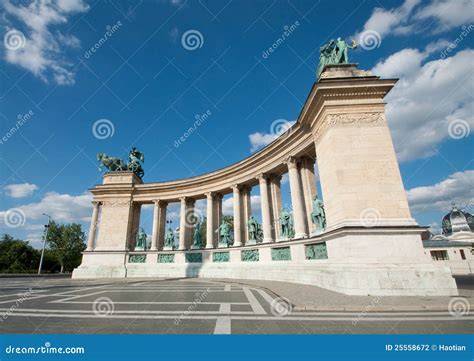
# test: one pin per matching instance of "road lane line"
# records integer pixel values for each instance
(222, 326)
(256, 306)
(224, 308)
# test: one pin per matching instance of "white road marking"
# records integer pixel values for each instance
(227, 288)
(251, 318)
(77, 296)
(224, 308)
(222, 326)
(266, 296)
(153, 303)
(256, 306)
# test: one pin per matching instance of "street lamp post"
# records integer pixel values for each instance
(44, 241)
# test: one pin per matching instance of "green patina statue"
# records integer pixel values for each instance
(140, 244)
(225, 233)
(253, 227)
(334, 52)
(169, 239)
(113, 164)
(287, 230)
(318, 215)
(197, 236)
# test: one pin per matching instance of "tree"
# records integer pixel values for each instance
(66, 242)
(17, 256)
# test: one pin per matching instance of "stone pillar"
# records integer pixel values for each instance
(134, 225)
(308, 182)
(299, 217)
(265, 204)
(217, 216)
(246, 211)
(190, 219)
(182, 224)
(358, 169)
(210, 220)
(237, 216)
(275, 194)
(162, 225)
(156, 226)
(93, 227)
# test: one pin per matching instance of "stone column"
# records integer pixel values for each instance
(246, 211)
(182, 224)
(275, 193)
(162, 225)
(265, 204)
(156, 225)
(134, 225)
(190, 219)
(93, 227)
(217, 216)
(237, 216)
(299, 217)
(308, 182)
(210, 220)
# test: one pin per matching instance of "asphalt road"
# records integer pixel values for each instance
(177, 306)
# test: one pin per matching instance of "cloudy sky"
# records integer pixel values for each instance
(81, 77)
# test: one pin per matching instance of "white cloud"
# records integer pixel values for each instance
(416, 16)
(20, 190)
(228, 205)
(458, 187)
(391, 21)
(43, 52)
(402, 63)
(448, 13)
(61, 207)
(259, 140)
(427, 99)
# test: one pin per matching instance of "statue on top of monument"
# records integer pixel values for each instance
(334, 52)
(318, 215)
(135, 157)
(114, 164)
(140, 244)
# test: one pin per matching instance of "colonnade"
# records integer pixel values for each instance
(302, 188)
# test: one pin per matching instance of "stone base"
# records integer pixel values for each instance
(360, 261)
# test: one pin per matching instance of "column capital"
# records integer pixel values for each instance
(291, 161)
(236, 187)
(261, 176)
(96, 203)
(183, 199)
(159, 202)
(218, 196)
(276, 177)
(209, 195)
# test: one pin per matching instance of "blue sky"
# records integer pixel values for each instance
(148, 86)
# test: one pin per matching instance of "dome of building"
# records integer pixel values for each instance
(457, 221)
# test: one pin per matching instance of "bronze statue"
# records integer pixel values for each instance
(140, 244)
(333, 53)
(114, 164)
(318, 215)
(286, 224)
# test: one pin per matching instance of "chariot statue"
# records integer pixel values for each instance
(114, 164)
(334, 52)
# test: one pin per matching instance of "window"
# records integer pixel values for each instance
(463, 256)
(439, 255)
